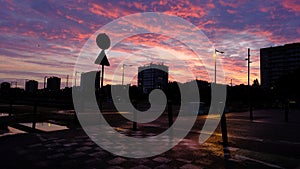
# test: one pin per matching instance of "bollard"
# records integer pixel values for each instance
(34, 114)
(251, 111)
(100, 101)
(250, 105)
(170, 113)
(134, 124)
(224, 136)
(170, 119)
(286, 111)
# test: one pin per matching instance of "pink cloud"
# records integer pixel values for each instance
(187, 9)
(56, 36)
(138, 5)
(291, 5)
(231, 11)
(230, 4)
(108, 10)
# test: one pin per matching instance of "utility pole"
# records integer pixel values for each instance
(249, 87)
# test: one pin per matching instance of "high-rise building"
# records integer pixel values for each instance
(90, 77)
(278, 61)
(53, 83)
(31, 86)
(152, 76)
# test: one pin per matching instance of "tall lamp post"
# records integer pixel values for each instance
(215, 59)
(223, 117)
(123, 72)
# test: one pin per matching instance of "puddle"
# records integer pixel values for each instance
(3, 114)
(46, 126)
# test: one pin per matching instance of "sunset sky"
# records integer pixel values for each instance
(44, 38)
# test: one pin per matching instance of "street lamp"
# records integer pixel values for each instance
(223, 116)
(123, 72)
(215, 59)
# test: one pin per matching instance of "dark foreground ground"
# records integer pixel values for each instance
(267, 142)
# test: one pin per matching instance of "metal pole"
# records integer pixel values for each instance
(223, 119)
(170, 113)
(101, 87)
(224, 136)
(75, 78)
(123, 74)
(249, 88)
(134, 124)
(248, 59)
(102, 77)
(286, 111)
(215, 58)
(34, 114)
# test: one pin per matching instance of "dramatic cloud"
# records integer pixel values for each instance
(44, 38)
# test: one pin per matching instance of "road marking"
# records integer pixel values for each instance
(247, 138)
(263, 122)
(231, 136)
(258, 161)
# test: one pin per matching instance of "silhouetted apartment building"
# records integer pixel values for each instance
(53, 83)
(278, 61)
(89, 78)
(152, 76)
(5, 86)
(31, 86)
